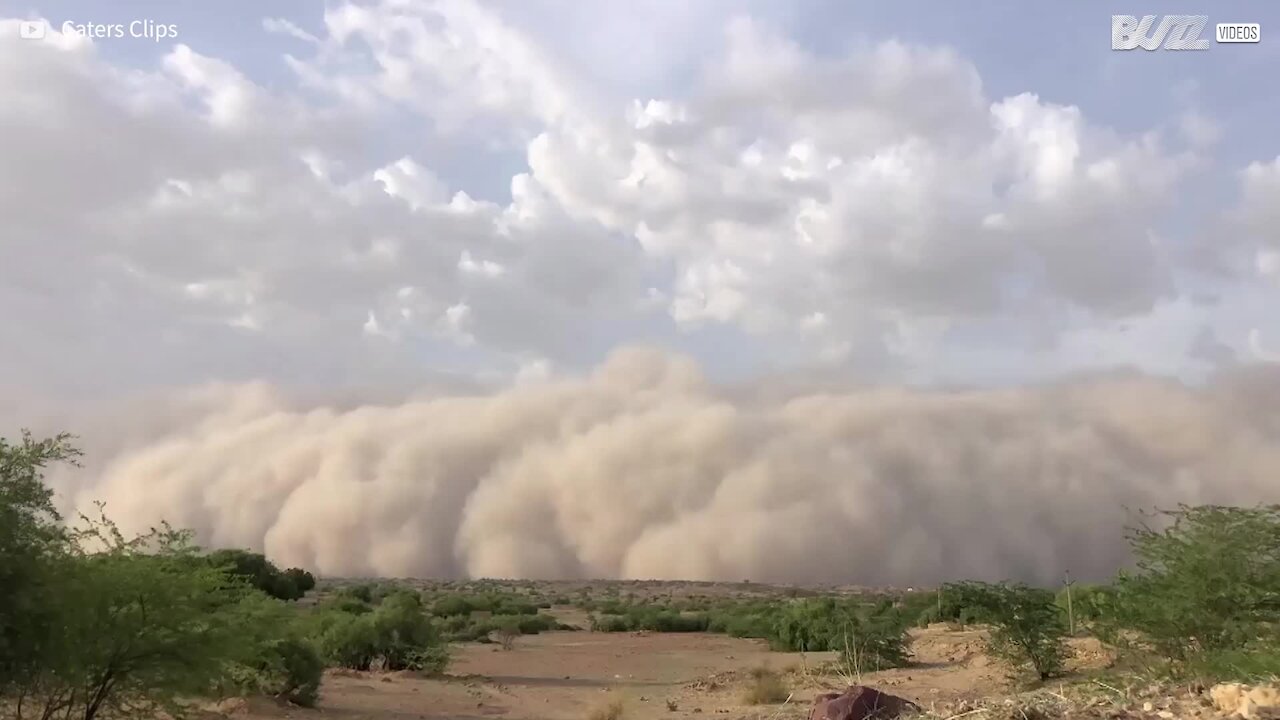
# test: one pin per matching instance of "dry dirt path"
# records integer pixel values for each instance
(568, 675)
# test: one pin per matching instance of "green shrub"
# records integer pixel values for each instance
(349, 641)
(1252, 663)
(140, 624)
(402, 631)
(302, 580)
(534, 624)
(873, 640)
(745, 620)
(290, 669)
(396, 635)
(262, 574)
(361, 591)
(431, 660)
(349, 605)
(811, 625)
(1205, 591)
(32, 540)
(507, 632)
(1027, 627)
(451, 606)
(94, 624)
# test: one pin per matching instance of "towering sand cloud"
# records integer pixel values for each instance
(643, 469)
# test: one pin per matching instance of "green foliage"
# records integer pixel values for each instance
(395, 635)
(31, 539)
(461, 628)
(964, 602)
(290, 584)
(286, 664)
(349, 605)
(1027, 628)
(874, 640)
(507, 633)
(303, 580)
(1205, 592)
(873, 635)
(298, 668)
(744, 622)
(811, 625)
(403, 632)
(95, 624)
(348, 641)
(449, 605)
(1253, 662)
(652, 618)
(141, 623)
(1088, 603)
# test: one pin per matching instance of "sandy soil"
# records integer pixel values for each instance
(563, 675)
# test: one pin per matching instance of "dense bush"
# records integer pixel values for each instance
(31, 539)
(461, 628)
(288, 668)
(873, 635)
(403, 632)
(652, 619)
(744, 622)
(496, 603)
(347, 640)
(1087, 604)
(397, 634)
(289, 584)
(1205, 592)
(141, 624)
(94, 623)
(1027, 627)
(873, 640)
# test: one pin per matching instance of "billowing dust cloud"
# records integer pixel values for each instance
(644, 470)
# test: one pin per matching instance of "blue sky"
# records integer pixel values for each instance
(997, 178)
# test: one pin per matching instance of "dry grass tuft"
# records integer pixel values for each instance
(612, 711)
(766, 688)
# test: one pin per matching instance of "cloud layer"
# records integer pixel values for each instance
(643, 469)
(431, 181)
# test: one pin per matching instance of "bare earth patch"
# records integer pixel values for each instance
(567, 675)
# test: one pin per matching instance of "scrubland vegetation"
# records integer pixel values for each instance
(97, 624)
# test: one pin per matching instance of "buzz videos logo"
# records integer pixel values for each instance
(1176, 32)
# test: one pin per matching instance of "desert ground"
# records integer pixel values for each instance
(584, 674)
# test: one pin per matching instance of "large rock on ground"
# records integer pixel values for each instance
(860, 702)
(1246, 701)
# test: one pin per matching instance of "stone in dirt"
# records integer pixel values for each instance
(1248, 702)
(860, 702)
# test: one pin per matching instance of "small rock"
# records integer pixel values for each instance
(1165, 714)
(1148, 707)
